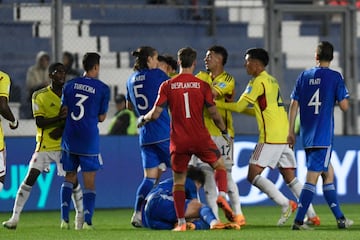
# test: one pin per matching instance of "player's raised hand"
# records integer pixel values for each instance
(14, 125)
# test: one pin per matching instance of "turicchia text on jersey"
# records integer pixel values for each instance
(85, 88)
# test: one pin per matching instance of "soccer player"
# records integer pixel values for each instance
(86, 101)
(272, 149)
(186, 96)
(223, 86)
(159, 211)
(6, 113)
(142, 88)
(50, 123)
(316, 92)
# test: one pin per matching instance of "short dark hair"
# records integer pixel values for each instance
(325, 51)
(220, 50)
(169, 60)
(54, 67)
(90, 59)
(196, 174)
(187, 56)
(259, 54)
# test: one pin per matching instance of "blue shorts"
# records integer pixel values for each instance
(318, 159)
(153, 155)
(159, 211)
(71, 162)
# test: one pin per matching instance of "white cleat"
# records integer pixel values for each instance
(10, 224)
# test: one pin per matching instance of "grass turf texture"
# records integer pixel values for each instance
(115, 224)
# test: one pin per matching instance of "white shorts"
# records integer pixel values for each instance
(42, 160)
(2, 163)
(225, 149)
(273, 155)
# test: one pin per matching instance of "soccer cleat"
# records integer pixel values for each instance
(224, 205)
(287, 213)
(343, 223)
(189, 226)
(217, 226)
(64, 225)
(313, 221)
(10, 224)
(231, 225)
(240, 220)
(180, 228)
(79, 220)
(86, 226)
(304, 226)
(136, 220)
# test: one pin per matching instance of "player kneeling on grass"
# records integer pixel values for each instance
(159, 211)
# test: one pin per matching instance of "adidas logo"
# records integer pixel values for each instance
(52, 105)
(64, 204)
(333, 205)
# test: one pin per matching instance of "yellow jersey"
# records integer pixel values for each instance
(4, 92)
(264, 93)
(47, 104)
(224, 85)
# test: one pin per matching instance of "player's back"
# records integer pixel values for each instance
(317, 91)
(86, 99)
(186, 97)
(142, 90)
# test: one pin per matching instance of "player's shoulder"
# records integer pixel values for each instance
(226, 77)
(41, 92)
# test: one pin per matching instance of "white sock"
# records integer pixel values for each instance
(21, 197)
(233, 193)
(296, 187)
(1, 186)
(77, 198)
(210, 190)
(270, 189)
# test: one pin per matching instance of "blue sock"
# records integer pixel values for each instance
(305, 199)
(65, 199)
(142, 191)
(89, 205)
(200, 224)
(332, 200)
(207, 215)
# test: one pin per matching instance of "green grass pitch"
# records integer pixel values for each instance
(115, 224)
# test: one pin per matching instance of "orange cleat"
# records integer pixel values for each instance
(224, 205)
(240, 220)
(313, 221)
(180, 228)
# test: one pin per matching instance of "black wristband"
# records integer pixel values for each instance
(224, 132)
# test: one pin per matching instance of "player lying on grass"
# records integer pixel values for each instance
(159, 211)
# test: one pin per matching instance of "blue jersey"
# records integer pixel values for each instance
(142, 91)
(159, 210)
(317, 90)
(165, 187)
(86, 99)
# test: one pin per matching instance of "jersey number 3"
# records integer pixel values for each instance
(80, 105)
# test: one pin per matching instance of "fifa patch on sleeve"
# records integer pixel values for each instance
(248, 89)
(221, 85)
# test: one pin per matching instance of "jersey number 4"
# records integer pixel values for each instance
(315, 101)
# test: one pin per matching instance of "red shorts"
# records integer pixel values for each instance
(207, 152)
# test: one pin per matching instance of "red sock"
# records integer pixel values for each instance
(221, 181)
(179, 200)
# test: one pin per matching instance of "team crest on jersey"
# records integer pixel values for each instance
(221, 85)
(248, 89)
